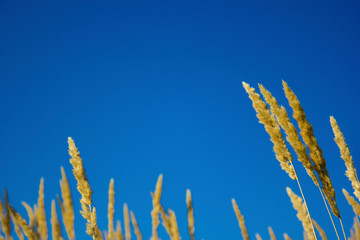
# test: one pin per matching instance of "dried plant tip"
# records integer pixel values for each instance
(301, 213)
(136, 226)
(111, 210)
(118, 233)
(352, 202)
(346, 156)
(258, 237)
(174, 226)
(241, 220)
(271, 233)
(286, 237)
(67, 208)
(5, 218)
(190, 215)
(127, 222)
(55, 225)
(28, 231)
(273, 129)
(156, 208)
(40, 213)
(320, 230)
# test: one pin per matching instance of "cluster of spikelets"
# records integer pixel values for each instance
(276, 122)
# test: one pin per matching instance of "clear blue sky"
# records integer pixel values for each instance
(150, 87)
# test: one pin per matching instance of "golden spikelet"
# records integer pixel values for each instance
(118, 233)
(17, 229)
(258, 237)
(352, 202)
(28, 231)
(301, 213)
(273, 129)
(241, 220)
(55, 225)
(30, 212)
(111, 210)
(271, 233)
(174, 226)
(190, 215)
(346, 156)
(320, 230)
(286, 237)
(5, 219)
(156, 208)
(40, 213)
(136, 226)
(315, 152)
(66, 206)
(292, 135)
(127, 222)
(83, 187)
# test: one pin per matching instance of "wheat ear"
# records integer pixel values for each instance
(156, 208)
(5, 220)
(190, 215)
(273, 129)
(241, 220)
(66, 206)
(127, 222)
(320, 230)
(111, 210)
(118, 233)
(174, 226)
(55, 225)
(83, 186)
(301, 213)
(352, 202)
(286, 237)
(136, 226)
(346, 156)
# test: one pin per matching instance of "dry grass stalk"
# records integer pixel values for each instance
(273, 129)
(164, 217)
(156, 208)
(5, 219)
(190, 215)
(320, 230)
(174, 226)
(83, 187)
(118, 233)
(40, 213)
(286, 237)
(346, 156)
(28, 231)
(352, 202)
(292, 135)
(66, 206)
(307, 134)
(55, 225)
(258, 237)
(301, 213)
(31, 215)
(271, 233)
(241, 220)
(111, 210)
(127, 222)
(136, 226)
(18, 231)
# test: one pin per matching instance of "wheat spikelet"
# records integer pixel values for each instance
(258, 237)
(111, 210)
(55, 225)
(127, 222)
(286, 237)
(83, 187)
(271, 233)
(156, 208)
(291, 132)
(346, 156)
(66, 206)
(241, 220)
(190, 215)
(352, 202)
(273, 129)
(136, 226)
(118, 233)
(320, 230)
(5, 219)
(301, 213)
(174, 226)
(307, 134)
(28, 231)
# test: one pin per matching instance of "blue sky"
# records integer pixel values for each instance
(155, 87)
